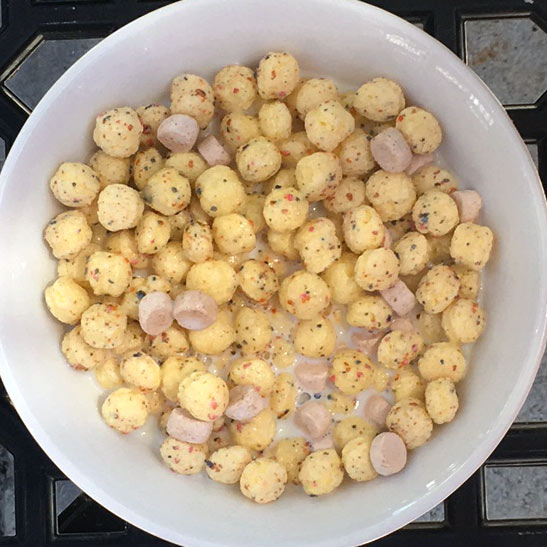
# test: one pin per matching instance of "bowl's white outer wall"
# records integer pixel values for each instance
(350, 42)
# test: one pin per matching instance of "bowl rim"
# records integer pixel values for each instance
(444, 489)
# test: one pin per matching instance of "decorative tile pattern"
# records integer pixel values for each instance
(535, 406)
(7, 494)
(435, 515)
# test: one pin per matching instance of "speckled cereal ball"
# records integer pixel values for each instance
(314, 92)
(463, 321)
(443, 360)
(75, 184)
(140, 371)
(379, 100)
(235, 88)
(355, 155)
(290, 453)
(253, 330)
(216, 337)
(328, 125)
(351, 371)
(109, 169)
(215, 278)
(409, 419)
(321, 472)
(258, 281)
(420, 129)
(152, 233)
(252, 372)
(470, 281)
(118, 131)
(294, 148)
(391, 194)
(193, 96)
(304, 294)
(433, 177)
(263, 480)
(169, 342)
(413, 252)
(438, 287)
(283, 397)
(108, 273)
(120, 207)
(441, 400)
(183, 458)
(350, 428)
(68, 234)
(399, 348)
(377, 269)
(145, 164)
(315, 337)
(429, 326)
(258, 160)
(370, 312)
(103, 326)
(277, 75)
(318, 245)
(167, 191)
(237, 129)
(108, 375)
(204, 395)
(406, 383)
(220, 191)
(233, 234)
(435, 213)
(79, 354)
(133, 339)
(124, 243)
(189, 164)
(75, 267)
(275, 120)
(356, 459)
(174, 369)
(171, 263)
(66, 300)
(363, 229)
(197, 242)
(285, 209)
(125, 410)
(471, 245)
(252, 211)
(339, 278)
(151, 116)
(256, 434)
(226, 464)
(349, 194)
(318, 175)
(283, 244)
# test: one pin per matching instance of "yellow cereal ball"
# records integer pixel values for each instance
(413, 252)
(125, 410)
(399, 348)
(124, 243)
(171, 263)
(290, 453)
(193, 96)
(75, 184)
(145, 164)
(339, 277)
(430, 327)
(108, 375)
(441, 400)
(369, 311)
(442, 360)
(471, 245)
(183, 458)
(156, 402)
(406, 383)
(263, 480)
(290, 100)
(253, 330)
(258, 160)
(349, 194)
(235, 88)
(152, 233)
(277, 75)
(178, 223)
(174, 370)
(220, 191)
(151, 116)
(257, 280)
(226, 464)
(237, 129)
(252, 372)
(285, 209)
(169, 342)
(339, 403)
(318, 245)
(103, 326)
(377, 269)
(119, 207)
(68, 234)
(420, 129)
(321, 472)
(118, 131)
(233, 234)
(435, 213)
(350, 428)
(108, 273)
(355, 155)
(189, 164)
(138, 289)
(463, 321)
(133, 339)
(351, 371)
(314, 92)
(379, 100)
(140, 371)
(391, 194)
(469, 281)
(283, 396)
(258, 433)
(79, 354)
(283, 244)
(294, 148)
(356, 459)
(110, 170)
(318, 175)
(204, 395)
(216, 337)
(328, 125)
(282, 353)
(304, 294)
(438, 288)
(315, 337)
(167, 191)
(252, 211)
(197, 241)
(409, 419)
(275, 120)
(66, 300)
(91, 212)
(363, 229)
(433, 177)
(215, 278)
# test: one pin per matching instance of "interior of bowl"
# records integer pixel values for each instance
(350, 42)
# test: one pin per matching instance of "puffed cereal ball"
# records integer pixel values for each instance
(433, 177)
(463, 321)
(257, 280)
(339, 403)
(435, 213)
(252, 372)
(124, 243)
(376, 269)
(235, 88)
(258, 160)
(277, 75)
(140, 371)
(237, 129)
(197, 241)
(145, 164)
(171, 263)
(339, 278)
(471, 245)
(285, 209)
(363, 229)
(220, 191)
(318, 175)
(108, 375)
(256, 434)
(193, 96)
(213, 277)
(399, 348)
(133, 339)
(429, 326)
(283, 243)
(413, 252)
(420, 129)
(314, 92)
(174, 369)
(409, 419)
(304, 294)
(68, 234)
(204, 395)
(349, 194)
(328, 125)
(275, 120)
(152, 233)
(167, 191)
(469, 281)
(108, 273)
(294, 148)
(290, 453)
(252, 211)
(79, 354)
(109, 169)
(118, 131)
(442, 360)
(283, 396)
(356, 459)
(318, 245)
(75, 184)
(178, 223)
(66, 300)
(355, 155)
(120, 207)
(263, 480)
(216, 337)
(370, 312)
(151, 116)
(103, 326)
(379, 100)
(183, 458)
(315, 337)
(391, 194)
(321, 472)
(350, 428)
(169, 342)
(441, 400)
(351, 371)
(189, 164)
(253, 330)
(406, 383)
(233, 234)
(438, 288)
(226, 464)
(125, 410)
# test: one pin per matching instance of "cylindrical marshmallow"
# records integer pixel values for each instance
(184, 427)
(388, 453)
(313, 419)
(195, 310)
(399, 297)
(213, 152)
(312, 377)
(178, 132)
(245, 403)
(391, 151)
(376, 410)
(155, 313)
(469, 204)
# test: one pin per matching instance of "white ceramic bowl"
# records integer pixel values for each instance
(351, 42)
